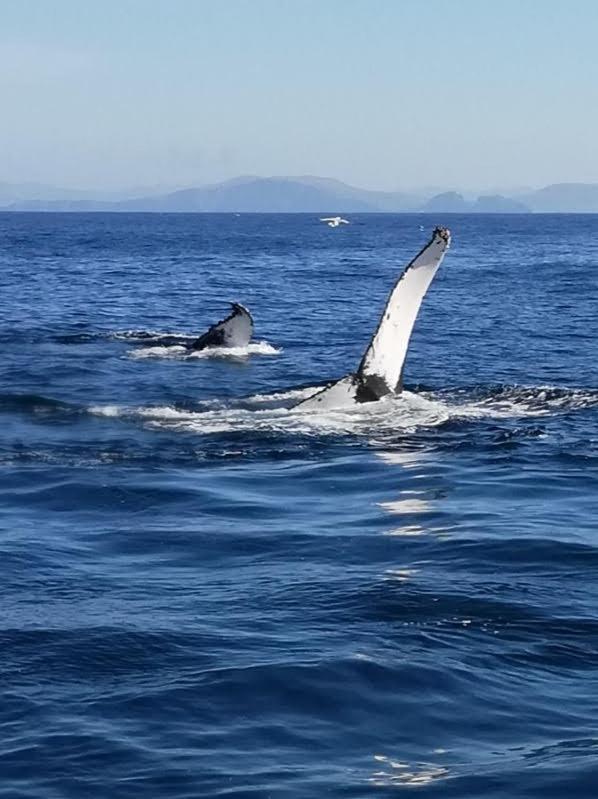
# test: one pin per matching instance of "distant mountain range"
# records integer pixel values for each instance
(295, 195)
(452, 202)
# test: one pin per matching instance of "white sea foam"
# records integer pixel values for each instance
(108, 410)
(406, 413)
(180, 352)
(276, 413)
(520, 401)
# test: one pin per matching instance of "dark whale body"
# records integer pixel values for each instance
(234, 331)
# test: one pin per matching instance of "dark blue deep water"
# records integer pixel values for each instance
(205, 594)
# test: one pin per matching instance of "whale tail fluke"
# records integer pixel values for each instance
(380, 371)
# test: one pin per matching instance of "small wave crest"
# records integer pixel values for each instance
(77, 338)
(158, 337)
(36, 405)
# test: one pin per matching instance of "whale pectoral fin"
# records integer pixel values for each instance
(381, 369)
(383, 361)
(234, 331)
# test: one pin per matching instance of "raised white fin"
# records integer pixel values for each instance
(381, 369)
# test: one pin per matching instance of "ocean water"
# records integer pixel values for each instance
(205, 593)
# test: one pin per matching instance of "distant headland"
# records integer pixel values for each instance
(305, 194)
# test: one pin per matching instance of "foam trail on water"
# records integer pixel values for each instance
(508, 402)
(180, 352)
(405, 413)
(408, 411)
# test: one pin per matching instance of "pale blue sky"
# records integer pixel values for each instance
(381, 93)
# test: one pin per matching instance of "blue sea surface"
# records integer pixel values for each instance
(204, 593)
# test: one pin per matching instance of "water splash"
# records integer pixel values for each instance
(406, 413)
(397, 774)
(276, 414)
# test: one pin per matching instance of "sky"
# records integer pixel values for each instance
(383, 94)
